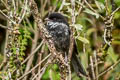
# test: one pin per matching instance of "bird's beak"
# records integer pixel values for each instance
(46, 19)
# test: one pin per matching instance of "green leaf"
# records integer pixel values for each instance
(84, 40)
(100, 5)
(53, 75)
(92, 13)
(90, 31)
(78, 27)
(66, 4)
(46, 75)
(111, 53)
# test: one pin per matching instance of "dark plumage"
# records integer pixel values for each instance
(58, 28)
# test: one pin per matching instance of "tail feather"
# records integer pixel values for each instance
(78, 68)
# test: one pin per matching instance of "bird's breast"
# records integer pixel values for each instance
(61, 35)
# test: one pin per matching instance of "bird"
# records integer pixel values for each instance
(58, 27)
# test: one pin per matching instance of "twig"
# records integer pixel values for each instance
(50, 73)
(34, 67)
(54, 7)
(43, 71)
(109, 69)
(93, 9)
(5, 4)
(13, 2)
(5, 27)
(23, 12)
(92, 68)
(36, 49)
(81, 7)
(96, 65)
(45, 3)
(115, 11)
(29, 63)
(106, 6)
(72, 29)
(39, 60)
(7, 17)
(63, 2)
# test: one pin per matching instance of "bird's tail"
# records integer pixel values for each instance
(78, 68)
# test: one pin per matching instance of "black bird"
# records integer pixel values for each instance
(58, 27)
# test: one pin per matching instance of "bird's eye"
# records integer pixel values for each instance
(50, 23)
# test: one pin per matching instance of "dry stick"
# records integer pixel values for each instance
(93, 9)
(84, 51)
(34, 44)
(36, 49)
(70, 55)
(43, 71)
(39, 60)
(110, 68)
(35, 67)
(97, 5)
(106, 6)
(17, 4)
(81, 7)
(63, 2)
(72, 28)
(2, 26)
(7, 17)
(41, 9)
(14, 6)
(71, 38)
(54, 7)
(50, 73)
(92, 68)
(115, 11)
(33, 73)
(44, 5)
(96, 65)
(5, 4)
(23, 11)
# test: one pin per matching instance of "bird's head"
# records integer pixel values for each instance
(57, 17)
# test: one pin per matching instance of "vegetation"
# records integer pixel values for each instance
(27, 52)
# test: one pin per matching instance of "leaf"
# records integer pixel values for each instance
(90, 31)
(84, 40)
(69, 10)
(111, 53)
(78, 27)
(91, 12)
(100, 5)
(66, 4)
(54, 75)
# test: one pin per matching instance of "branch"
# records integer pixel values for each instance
(34, 67)
(48, 39)
(109, 69)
